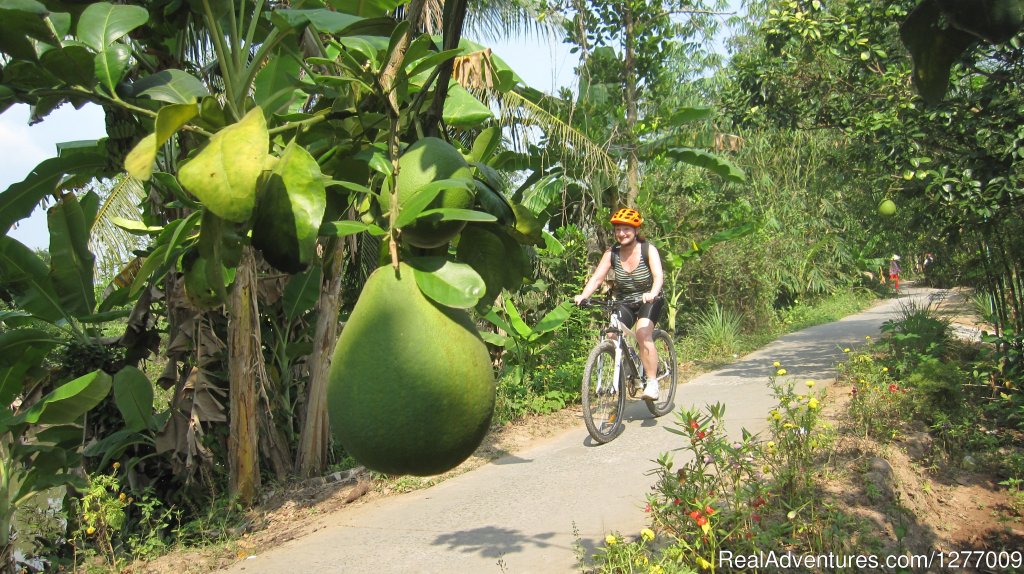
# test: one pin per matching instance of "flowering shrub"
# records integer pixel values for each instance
(879, 404)
(731, 494)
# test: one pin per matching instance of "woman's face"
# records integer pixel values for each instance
(624, 234)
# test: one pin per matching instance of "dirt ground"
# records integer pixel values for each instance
(918, 501)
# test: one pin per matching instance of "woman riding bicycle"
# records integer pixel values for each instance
(637, 284)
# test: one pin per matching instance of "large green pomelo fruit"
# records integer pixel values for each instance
(411, 388)
(887, 207)
(426, 161)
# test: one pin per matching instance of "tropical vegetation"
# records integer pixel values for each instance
(168, 356)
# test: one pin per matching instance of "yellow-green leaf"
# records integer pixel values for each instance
(139, 162)
(224, 175)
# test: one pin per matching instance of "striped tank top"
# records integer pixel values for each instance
(628, 285)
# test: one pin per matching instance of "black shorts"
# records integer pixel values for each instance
(630, 312)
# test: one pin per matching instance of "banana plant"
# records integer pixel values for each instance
(520, 339)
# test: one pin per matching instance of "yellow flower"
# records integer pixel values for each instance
(789, 425)
(116, 465)
(812, 404)
(647, 534)
(809, 384)
(90, 531)
(776, 364)
(610, 540)
(846, 350)
(885, 369)
(770, 444)
(122, 497)
(780, 372)
(656, 569)
(867, 337)
(776, 415)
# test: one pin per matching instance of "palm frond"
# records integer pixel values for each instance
(519, 113)
(112, 245)
(493, 20)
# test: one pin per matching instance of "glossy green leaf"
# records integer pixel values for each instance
(71, 262)
(462, 109)
(554, 318)
(493, 255)
(448, 283)
(68, 402)
(101, 24)
(453, 214)
(485, 144)
(14, 344)
(343, 228)
(150, 264)
(516, 320)
(494, 203)
(20, 199)
(24, 274)
(73, 65)
(414, 206)
(302, 292)
(111, 64)
(325, 21)
(709, 161)
(290, 210)
(276, 85)
(171, 86)
(224, 174)
(367, 8)
(133, 394)
(20, 21)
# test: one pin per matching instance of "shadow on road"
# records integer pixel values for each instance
(492, 542)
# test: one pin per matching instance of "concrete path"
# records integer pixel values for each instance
(527, 513)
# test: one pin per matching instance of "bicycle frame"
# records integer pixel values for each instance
(621, 356)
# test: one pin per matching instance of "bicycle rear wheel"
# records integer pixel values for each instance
(603, 399)
(667, 368)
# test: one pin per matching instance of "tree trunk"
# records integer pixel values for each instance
(454, 16)
(632, 162)
(244, 361)
(314, 440)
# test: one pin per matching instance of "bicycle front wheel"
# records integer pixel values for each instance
(667, 368)
(603, 399)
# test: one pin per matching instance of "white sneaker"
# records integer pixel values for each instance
(650, 390)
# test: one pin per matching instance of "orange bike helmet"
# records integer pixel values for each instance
(627, 216)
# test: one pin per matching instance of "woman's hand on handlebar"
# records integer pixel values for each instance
(580, 300)
(648, 297)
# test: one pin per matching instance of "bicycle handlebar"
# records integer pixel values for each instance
(609, 303)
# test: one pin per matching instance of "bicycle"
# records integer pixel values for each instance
(614, 366)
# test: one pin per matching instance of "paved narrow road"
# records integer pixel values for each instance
(525, 513)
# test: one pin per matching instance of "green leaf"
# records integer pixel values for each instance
(23, 273)
(453, 214)
(449, 283)
(276, 86)
(223, 176)
(688, 114)
(494, 338)
(325, 21)
(290, 210)
(71, 262)
(495, 203)
(343, 228)
(21, 199)
(414, 206)
(133, 394)
(15, 344)
(171, 86)
(555, 317)
(485, 144)
(73, 65)
(516, 320)
(68, 402)
(150, 264)
(135, 227)
(101, 24)
(462, 110)
(709, 161)
(21, 20)
(111, 64)
(302, 292)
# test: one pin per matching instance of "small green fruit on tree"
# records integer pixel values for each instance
(424, 162)
(411, 386)
(887, 207)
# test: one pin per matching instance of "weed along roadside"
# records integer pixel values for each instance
(537, 509)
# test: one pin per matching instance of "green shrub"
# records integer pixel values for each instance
(718, 330)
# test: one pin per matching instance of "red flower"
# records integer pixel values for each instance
(648, 507)
(694, 425)
(701, 435)
(701, 521)
(677, 502)
(755, 517)
(893, 388)
(758, 502)
(708, 510)
(695, 515)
